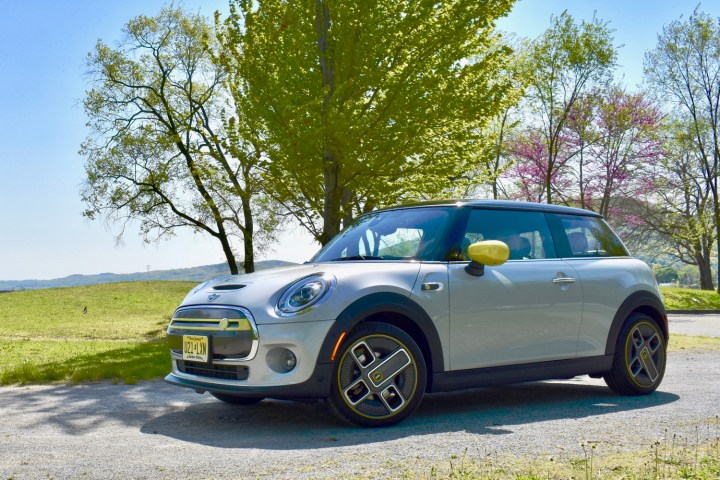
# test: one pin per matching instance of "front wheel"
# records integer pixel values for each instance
(640, 355)
(379, 378)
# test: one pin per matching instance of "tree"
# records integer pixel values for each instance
(567, 60)
(666, 274)
(581, 128)
(617, 136)
(530, 166)
(685, 68)
(365, 103)
(680, 205)
(158, 151)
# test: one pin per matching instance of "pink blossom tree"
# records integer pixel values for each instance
(617, 145)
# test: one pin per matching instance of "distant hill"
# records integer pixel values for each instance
(195, 274)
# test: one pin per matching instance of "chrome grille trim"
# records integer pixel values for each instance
(215, 326)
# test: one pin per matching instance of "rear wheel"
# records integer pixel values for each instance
(640, 355)
(379, 378)
(235, 399)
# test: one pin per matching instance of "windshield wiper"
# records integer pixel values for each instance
(357, 257)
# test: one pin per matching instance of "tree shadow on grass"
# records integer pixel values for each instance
(127, 364)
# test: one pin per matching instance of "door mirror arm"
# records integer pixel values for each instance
(475, 269)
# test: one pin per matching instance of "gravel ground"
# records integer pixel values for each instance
(154, 430)
(704, 325)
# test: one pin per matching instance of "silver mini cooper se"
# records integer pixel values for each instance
(428, 298)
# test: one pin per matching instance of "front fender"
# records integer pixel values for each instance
(386, 303)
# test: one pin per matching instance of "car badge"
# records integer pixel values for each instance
(377, 377)
(223, 324)
(213, 297)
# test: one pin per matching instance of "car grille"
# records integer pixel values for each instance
(232, 331)
(226, 372)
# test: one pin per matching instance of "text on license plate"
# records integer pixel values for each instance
(195, 348)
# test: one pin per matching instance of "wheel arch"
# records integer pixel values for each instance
(644, 302)
(393, 309)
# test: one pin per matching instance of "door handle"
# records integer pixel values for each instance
(564, 280)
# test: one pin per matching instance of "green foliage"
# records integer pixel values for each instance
(665, 274)
(87, 333)
(365, 104)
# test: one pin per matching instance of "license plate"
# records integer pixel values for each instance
(195, 348)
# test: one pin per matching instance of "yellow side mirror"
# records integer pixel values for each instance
(490, 252)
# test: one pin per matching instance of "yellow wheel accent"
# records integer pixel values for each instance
(370, 384)
(380, 376)
(644, 354)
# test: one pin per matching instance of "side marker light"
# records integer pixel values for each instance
(337, 346)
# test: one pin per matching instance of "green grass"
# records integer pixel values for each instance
(109, 331)
(686, 342)
(32, 361)
(690, 299)
(674, 458)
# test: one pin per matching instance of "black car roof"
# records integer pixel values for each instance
(502, 205)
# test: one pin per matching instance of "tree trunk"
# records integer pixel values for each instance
(331, 206)
(229, 255)
(331, 166)
(706, 276)
(248, 232)
(548, 173)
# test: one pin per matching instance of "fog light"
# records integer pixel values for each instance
(289, 360)
(281, 360)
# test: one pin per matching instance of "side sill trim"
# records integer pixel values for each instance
(528, 372)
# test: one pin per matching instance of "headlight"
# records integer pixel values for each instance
(305, 293)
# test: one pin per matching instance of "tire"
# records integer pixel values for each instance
(236, 400)
(640, 356)
(379, 378)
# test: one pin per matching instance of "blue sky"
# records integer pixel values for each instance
(43, 45)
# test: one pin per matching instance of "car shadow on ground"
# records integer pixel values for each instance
(281, 425)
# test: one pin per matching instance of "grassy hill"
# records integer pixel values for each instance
(87, 333)
(194, 274)
(690, 299)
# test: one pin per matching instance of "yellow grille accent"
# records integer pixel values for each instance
(233, 324)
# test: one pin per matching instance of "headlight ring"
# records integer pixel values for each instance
(307, 292)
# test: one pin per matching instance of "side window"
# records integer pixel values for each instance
(591, 237)
(526, 233)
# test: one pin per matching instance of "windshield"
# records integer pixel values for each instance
(404, 234)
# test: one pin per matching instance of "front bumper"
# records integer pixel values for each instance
(253, 375)
(317, 386)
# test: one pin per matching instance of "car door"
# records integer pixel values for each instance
(526, 310)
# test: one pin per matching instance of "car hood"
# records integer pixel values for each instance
(259, 292)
